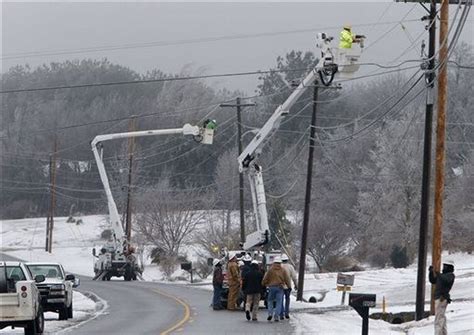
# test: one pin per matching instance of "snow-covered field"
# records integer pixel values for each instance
(73, 244)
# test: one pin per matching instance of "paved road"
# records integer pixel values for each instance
(151, 308)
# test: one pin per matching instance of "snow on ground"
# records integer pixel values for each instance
(73, 244)
(84, 309)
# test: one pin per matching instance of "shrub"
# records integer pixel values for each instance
(399, 257)
(106, 234)
(378, 259)
(341, 264)
(203, 270)
(168, 265)
(156, 255)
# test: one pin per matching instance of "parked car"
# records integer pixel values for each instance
(20, 301)
(56, 290)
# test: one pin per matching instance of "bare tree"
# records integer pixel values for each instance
(226, 180)
(388, 205)
(168, 217)
(212, 237)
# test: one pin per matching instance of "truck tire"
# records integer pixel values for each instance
(63, 313)
(128, 273)
(36, 326)
(70, 311)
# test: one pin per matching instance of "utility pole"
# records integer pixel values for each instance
(239, 105)
(52, 193)
(307, 200)
(440, 143)
(425, 186)
(131, 148)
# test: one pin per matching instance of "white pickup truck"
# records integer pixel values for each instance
(20, 302)
(56, 290)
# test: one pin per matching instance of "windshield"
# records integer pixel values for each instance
(14, 273)
(9, 276)
(49, 271)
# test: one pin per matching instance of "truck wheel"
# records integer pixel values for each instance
(69, 311)
(128, 273)
(63, 313)
(36, 326)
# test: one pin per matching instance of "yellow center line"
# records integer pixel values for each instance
(181, 322)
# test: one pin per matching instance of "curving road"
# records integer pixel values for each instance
(151, 308)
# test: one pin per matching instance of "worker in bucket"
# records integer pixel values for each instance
(443, 283)
(233, 277)
(347, 37)
(289, 268)
(217, 280)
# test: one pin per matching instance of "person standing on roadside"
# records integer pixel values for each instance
(285, 303)
(217, 280)
(275, 279)
(443, 283)
(233, 279)
(252, 287)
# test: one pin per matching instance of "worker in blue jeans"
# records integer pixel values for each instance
(275, 280)
(217, 280)
(285, 310)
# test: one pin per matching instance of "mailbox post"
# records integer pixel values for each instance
(188, 267)
(344, 283)
(361, 303)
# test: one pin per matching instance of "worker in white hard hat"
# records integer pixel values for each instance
(285, 304)
(217, 281)
(233, 278)
(275, 279)
(443, 283)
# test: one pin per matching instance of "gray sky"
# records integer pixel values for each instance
(52, 27)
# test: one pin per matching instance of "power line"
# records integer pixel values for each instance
(184, 41)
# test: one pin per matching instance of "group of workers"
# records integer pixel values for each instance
(248, 280)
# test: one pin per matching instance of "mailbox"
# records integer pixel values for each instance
(360, 300)
(186, 266)
(361, 303)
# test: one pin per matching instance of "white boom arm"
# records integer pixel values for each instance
(332, 62)
(254, 171)
(117, 229)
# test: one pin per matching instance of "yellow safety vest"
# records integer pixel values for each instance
(346, 39)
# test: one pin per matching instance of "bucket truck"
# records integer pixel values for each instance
(333, 61)
(116, 257)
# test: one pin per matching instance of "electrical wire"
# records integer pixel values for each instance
(181, 42)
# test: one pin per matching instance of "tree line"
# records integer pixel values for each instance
(366, 187)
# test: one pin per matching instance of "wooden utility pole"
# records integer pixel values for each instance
(239, 106)
(52, 193)
(131, 149)
(440, 143)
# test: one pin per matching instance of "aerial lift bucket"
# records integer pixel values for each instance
(348, 61)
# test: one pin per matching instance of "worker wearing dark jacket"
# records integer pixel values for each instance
(252, 287)
(217, 280)
(443, 283)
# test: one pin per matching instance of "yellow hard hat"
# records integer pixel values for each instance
(347, 26)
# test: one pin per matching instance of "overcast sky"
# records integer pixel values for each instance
(244, 36)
